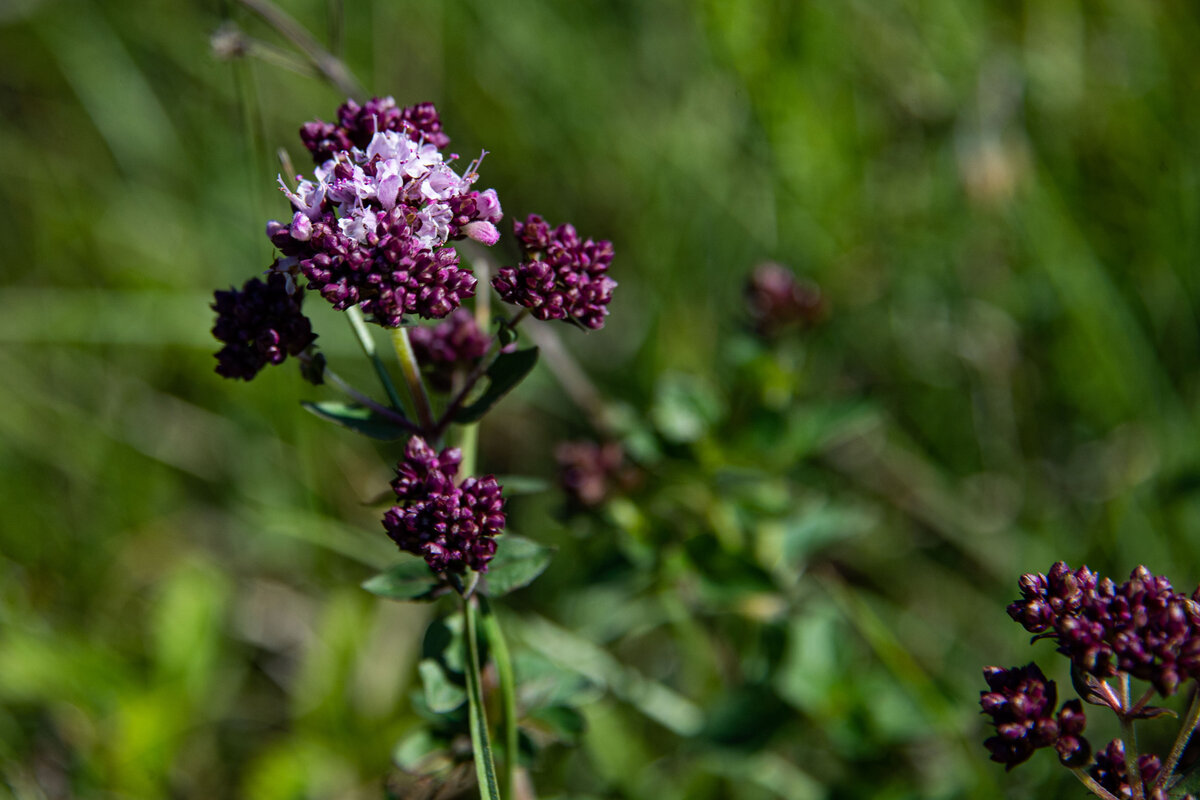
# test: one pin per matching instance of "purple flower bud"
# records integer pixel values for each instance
(482, 232)
(301, 229)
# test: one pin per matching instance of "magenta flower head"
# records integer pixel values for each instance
(357, 125)
(776, 299)
(452, 526)
(562, 277)
(262, 324)
(1021, 702)
(372, 227)
(589, 472)
(1142, 627)
(453, 344)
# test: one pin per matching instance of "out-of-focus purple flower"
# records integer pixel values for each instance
(261, 324)
(776, 299)
(452, 526)
(1021, 702)
(371, 227)
(357, 124)
(589, 472)
(453, 344)
(1142, 627)
(562, 277)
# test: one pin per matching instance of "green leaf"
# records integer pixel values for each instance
(522, 484)
(359, 419)
(563, 722)
(408, 580)
(507, 335)
(441, 694)
(518, 561)
(685, 407)
(503, 375)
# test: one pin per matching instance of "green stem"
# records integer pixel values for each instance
(508, 693)
(1092, 786)
(390, 414)
(368, 346)
(481, 744)
(1185, 733)
(412, 377)
(334, 70)
(1132, 769)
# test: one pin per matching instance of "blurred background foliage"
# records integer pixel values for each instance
(796, 596)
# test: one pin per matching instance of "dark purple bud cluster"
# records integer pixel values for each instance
(589, 472)
(453, 344)
(452, 526)
(777, 300)
(1142, 627)
(562, 277)
(1110, 772)
(1021, 702)
(357, 124)
(262, 324)
(372, 226)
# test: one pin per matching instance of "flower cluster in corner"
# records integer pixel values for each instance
(562, 276)
(371, 227)
(261, 324)
(1141, 627)
(452, 526)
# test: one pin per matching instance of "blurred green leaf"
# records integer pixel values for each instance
(517, 563)
(685, 407)
(503, 375)
(441, 694)
(409, 580)
(359, 419)
(563, 722)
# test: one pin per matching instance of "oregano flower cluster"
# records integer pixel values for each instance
(563, 276)
(261, 324)
(451, 525)
(371, 228)
(1140, 629)
(1020, 702)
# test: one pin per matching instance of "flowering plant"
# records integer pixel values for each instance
(1141, 629)
(372, 233)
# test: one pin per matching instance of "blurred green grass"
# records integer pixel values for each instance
(1000, 201)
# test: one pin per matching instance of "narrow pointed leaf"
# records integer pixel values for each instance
(522, 484)
(503, 375)
(359, 419)
(408, 580)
